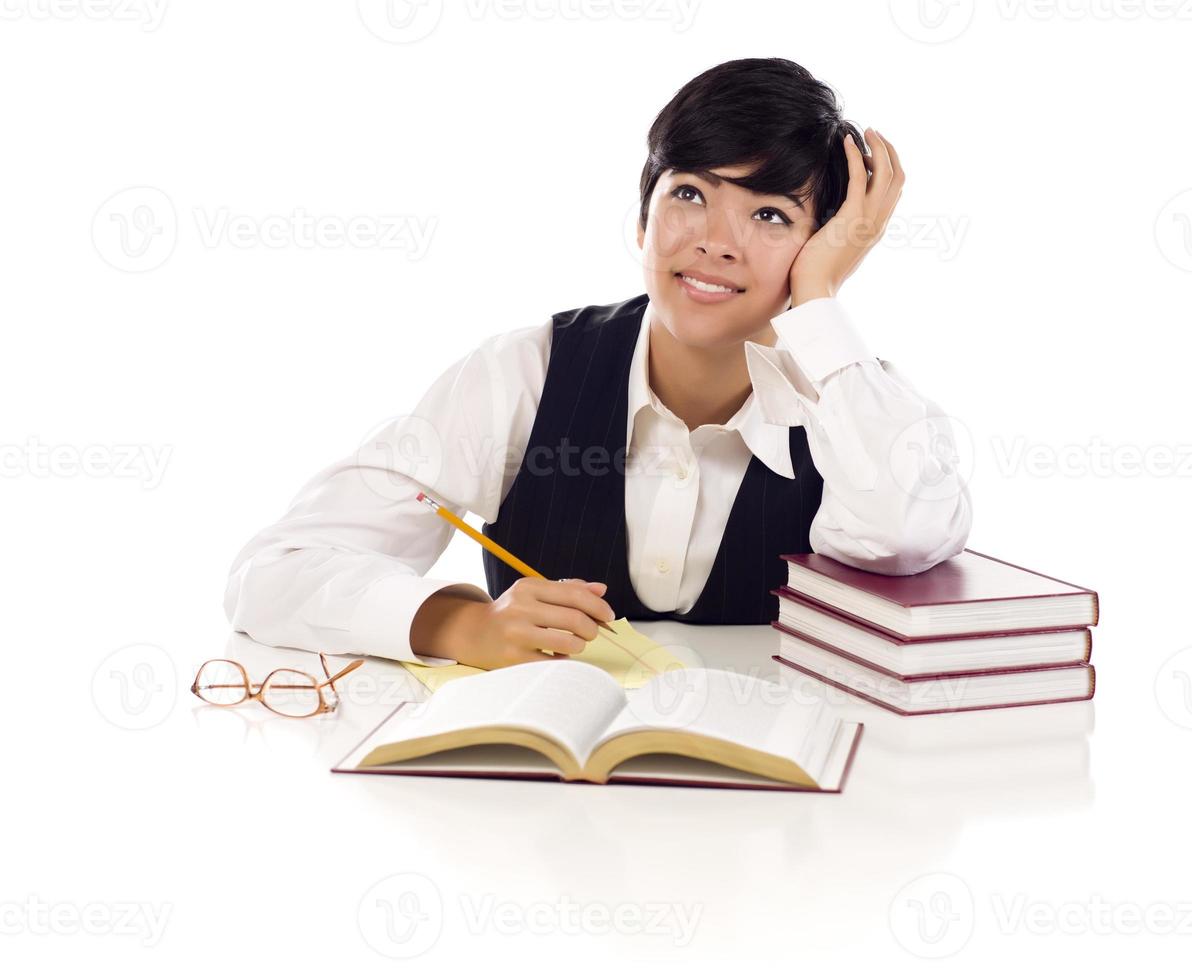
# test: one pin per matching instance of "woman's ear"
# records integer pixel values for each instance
(641, 234)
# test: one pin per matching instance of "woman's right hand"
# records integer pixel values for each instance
(531, 616)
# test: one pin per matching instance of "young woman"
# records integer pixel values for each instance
(653, 457)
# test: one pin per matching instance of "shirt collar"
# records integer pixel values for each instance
(767, 441)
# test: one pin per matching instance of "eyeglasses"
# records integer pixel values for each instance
(293, 693)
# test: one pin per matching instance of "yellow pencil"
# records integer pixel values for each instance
(482, 539)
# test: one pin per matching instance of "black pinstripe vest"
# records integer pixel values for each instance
(564, 514)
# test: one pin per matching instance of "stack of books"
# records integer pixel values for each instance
(972, 632)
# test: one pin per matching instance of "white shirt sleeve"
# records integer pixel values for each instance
(343, 569)
(893, 499)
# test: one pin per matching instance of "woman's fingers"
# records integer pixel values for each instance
(893, 188)
(899, 175)
(572, 620)
(536, 653)
(883, 168)
(542, 638)
(854, 197)
(573, 594)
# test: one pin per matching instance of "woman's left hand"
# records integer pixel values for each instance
(832, 253)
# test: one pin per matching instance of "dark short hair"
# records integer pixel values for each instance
(768, 113)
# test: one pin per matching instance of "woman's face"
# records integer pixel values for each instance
(721, 233)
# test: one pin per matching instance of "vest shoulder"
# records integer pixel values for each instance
(585, 318)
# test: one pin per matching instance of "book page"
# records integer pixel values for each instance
(755, 713)
(481, 760)
(685, 770)
(566, 701)
(631, 659)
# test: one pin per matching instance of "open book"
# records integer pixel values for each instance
(570, 720)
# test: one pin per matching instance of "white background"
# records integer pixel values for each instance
(1034, 282)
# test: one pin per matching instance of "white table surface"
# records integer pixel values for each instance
(956, 834)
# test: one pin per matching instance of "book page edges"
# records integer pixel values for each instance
(864, 696)
(608, 755)
(384, 755)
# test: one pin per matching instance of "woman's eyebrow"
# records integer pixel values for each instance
(716, 180)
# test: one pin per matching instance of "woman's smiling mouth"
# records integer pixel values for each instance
(705, 291)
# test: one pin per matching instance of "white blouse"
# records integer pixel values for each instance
(344, 569)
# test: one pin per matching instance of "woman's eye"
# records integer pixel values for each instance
(680, 193)
(782, 218)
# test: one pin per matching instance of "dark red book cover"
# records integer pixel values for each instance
(1092, 678)
(939, 675)
(785, 592)
(969, 577)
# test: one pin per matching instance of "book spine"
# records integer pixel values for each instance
(793, 595)
(1072, 586)
(1092, 675)
(913, 678)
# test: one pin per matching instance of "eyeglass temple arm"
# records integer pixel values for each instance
(332, 678)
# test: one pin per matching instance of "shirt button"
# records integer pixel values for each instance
(663, 566)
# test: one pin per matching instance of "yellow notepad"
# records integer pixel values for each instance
(632, 663)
